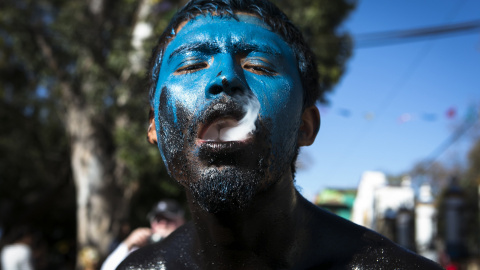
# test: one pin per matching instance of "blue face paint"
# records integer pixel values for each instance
(210, 70)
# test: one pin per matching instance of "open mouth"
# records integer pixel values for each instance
(225, 121)
(223, 141)
(224, 130)
(223, 136)
(227, 134)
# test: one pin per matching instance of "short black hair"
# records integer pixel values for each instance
(265, 10)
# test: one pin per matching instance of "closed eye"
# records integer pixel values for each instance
(259, 69)
(190, 68)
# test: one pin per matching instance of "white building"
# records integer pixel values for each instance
(364, 206)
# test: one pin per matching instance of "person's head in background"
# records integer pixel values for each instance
(21, 234)
(165, 217)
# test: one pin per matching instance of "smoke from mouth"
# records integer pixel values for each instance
(228, 129)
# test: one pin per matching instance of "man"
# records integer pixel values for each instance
(165, 217)
(233, 87)
(17, 253)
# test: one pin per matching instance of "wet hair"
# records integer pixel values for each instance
(269, 13)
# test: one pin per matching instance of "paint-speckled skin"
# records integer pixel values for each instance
(274, 227)
(324, 242)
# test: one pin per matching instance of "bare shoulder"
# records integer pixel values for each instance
(341, 244)
(175, 252)
(379, 252)
(332, 243)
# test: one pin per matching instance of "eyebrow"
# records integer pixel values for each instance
(203, 47)
(247, 48)
(213, 48)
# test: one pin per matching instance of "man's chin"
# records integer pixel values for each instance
(225, 189)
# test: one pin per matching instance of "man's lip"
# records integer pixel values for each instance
(223, 147)
(218, 112)
(215, 144)
(222, 121)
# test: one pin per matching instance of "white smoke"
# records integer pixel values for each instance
(228, 129)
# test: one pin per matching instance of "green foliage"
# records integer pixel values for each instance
(472, 187)
(319, 22)
(463, 183)
(47, 48)
(35, 175)
(473, 172)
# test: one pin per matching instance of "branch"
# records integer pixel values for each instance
(47, 52)
(52, 62)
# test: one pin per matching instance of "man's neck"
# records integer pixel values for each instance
(264, 233)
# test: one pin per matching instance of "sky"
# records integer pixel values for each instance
(389, 110)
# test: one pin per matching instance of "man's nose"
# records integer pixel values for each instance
(228, 78)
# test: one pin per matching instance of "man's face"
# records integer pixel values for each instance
(162, 226)
(215, 72)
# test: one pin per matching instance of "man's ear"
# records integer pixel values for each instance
(310, 126)
(152, 131)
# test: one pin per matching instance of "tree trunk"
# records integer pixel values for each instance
(100, 202)
(102, 197)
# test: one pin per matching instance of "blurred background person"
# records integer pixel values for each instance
(165, 217)
(17, 252)
(125, 230)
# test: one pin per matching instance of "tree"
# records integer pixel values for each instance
(434, 173)
(35, 175)
(75, 70)
(473, 171)
(319, 22)
(79, 55)
(472, 187)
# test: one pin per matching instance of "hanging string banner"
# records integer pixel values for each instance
(451, 113)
